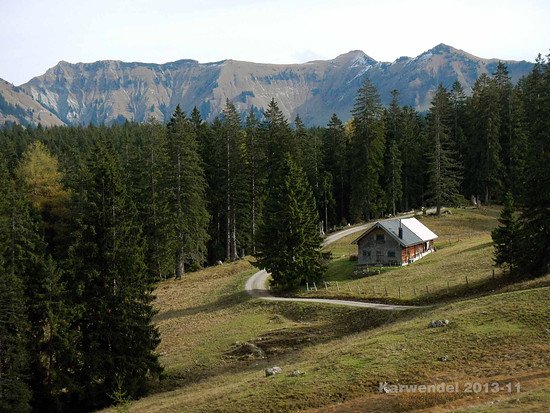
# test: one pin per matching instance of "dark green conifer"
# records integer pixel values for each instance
(112, 288)
(506, 237)
(535, 218)
(336, 162)
(444, 177)
(187, 184)
(288, 242)
(14, 329)
(367, 198)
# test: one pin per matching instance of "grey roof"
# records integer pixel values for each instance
(414, 232)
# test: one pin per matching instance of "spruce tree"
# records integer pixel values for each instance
(288, 242)
(412, 150)
(367, 197)
(187, 184)
(535, 218)
(212, 152)
(394, 186)
(458, 121)
(518, 150)
(254, 160)
(506, 237)
(336, 162)
(503, 86)
(485, 164)
(112, 287)
(14, 392)
(149, 171)
(309, 158)
(444, 177)
(14, 359)
(277, 137)
(235, 190)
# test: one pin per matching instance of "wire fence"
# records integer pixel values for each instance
(397, 290)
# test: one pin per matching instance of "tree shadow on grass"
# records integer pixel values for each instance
(223, 302)
(478, 247)
(311, 324)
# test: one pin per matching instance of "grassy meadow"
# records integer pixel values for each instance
(346, 352)
(464, 250)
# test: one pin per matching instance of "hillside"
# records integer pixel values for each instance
(346, 352)
(112, 91)
(18, 107)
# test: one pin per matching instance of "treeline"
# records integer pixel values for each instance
(91, 217)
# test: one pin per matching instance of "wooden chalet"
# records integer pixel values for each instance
(394, 242)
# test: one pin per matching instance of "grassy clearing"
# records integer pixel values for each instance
(344, 352)
(464, 249)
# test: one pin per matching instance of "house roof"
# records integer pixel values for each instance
(414, 232)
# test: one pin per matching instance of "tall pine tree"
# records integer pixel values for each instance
(507, 237)
(14, 359)
(367, 197)
(112, 288)
(188, 186)
(335, 159)
(535, 218)
(443, 169)
(289, 244)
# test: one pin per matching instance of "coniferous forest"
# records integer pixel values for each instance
(92, 217)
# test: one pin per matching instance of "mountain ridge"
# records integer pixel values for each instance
(109, 91)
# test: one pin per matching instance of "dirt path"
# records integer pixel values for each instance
(256, 284)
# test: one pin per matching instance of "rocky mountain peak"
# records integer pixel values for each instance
(356, 58)
(113, 91)
(442, 48)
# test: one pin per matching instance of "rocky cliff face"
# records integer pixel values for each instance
(18, 107)
(112, 91)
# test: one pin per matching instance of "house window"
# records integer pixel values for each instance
(366, 253)
(380, 239)
(391, 254)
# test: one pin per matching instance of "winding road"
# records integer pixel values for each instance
(256, 284)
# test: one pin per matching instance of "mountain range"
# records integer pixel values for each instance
(110, 91)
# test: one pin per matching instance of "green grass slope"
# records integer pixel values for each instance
(500, 336)
(344, 352)
(461, 266)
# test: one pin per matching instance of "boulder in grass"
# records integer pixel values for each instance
(438, 323)
(272, 371)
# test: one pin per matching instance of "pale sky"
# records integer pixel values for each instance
(36, 34)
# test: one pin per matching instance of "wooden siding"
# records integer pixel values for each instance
(373, 252)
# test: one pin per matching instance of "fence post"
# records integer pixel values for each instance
(307, 286)
(447, 286)
(414, 291)
(326, 288)
(337, 286)
(399, 289)
(467, 283)
(385, 289)
(493, 273)
(427, 290)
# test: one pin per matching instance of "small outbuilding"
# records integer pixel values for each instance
(394, 242)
